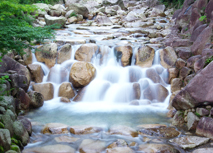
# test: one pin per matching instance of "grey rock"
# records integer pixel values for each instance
(20, 132)
(192, 121)
(5, 140)
(202, 111)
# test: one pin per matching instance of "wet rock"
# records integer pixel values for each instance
(157, 92)
(103, 20)
(24, 99)
(158, 11)
(47, 54)
(81, 74)
(204, 127)
(126, 54)
(189, 142)
(153, 75)
(191, 96)
(123, 130)
(202, 111)
(55, 128)
(120, 150)
(66, 90)
(91, 146)
(20, 132)
(176, 84)
(180, 63)
(203, 150)
(118, 143)
(65, 100)
(36, 99)
(155, 148)
(64, 53)
(162, 132)
(46, 89)
(140, 102)
(86, 52)
(26, 123)
(85, 129)
(201, 40)
(5, 140)
(145, 56)
(178, 119)
(184, 72)
(192, 60)
(27, 57)
(79, 9)
(80, 95)
(50, 20)
(66, 139)
(137, 90)
(183, 52)
(56, 148)
(57, 74)
(192, 121)
(168, 57)
(36, 72)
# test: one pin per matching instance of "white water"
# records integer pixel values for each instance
(111, 91)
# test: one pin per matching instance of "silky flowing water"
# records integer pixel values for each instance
(107, 98)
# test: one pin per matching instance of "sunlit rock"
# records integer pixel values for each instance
(45, 89)
(66, 90)
(55, 128)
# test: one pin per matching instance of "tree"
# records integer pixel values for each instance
(16, 30)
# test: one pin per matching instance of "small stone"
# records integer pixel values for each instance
(202, 111)
(192, 121)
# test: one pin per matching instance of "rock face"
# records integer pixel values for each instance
(64, 53)
(187, 142)
(81, 74)
(145, 56)
(50, 20)
(46, 89)
(36, 72)
(204, 127)
(79, 9)
(126, 54)
(65, 90)
(86, 52)
(192, 95)
(47, 54)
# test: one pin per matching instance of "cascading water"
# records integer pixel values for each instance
(110, 97)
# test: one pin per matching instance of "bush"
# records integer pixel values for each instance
(173, 3)
(37, 1)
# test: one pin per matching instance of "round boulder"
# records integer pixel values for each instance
(125, 52)
(36, 99)
(66, 90)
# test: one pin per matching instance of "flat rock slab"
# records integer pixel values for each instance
(66, 139)
(55, 128)
(189, 142)
(162, 132)
(91, 146)
(203, 150)
(85, 129)
(156, 148)
(123, 130)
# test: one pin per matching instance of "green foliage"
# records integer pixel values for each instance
(203, 18)
(173, 3)
(73, 14)
(1, 125)
(15, 148)
(16, 30)
(208, 60)
(37, 1)
(1, 149)
(197, 114)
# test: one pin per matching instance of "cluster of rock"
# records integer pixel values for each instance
(15, 131)
(191, 77)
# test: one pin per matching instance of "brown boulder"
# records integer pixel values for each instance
(36, 72)
(65, 100)
(184, 72)
(27, 57)
(153, 75)
(197, 31)
(176, 84)
(81, 74)
(85, 129)
(46, 89)
(145, 56)
(173, 73)
(64, 53)
(192, 60)
(86, 52)
(180, 63)
(126, 54)
(47, 54)
(24, 99)
(55, 128)
(183, 52)
(36, 99)
(66, 90)
(168, 57)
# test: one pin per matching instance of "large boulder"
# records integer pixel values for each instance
(64, 53)
(92, 146)
(20, 132)
(79, 9)
(5, 140)
(168, 57)
(103, 20)
(66, 90)
(36, 72)
(192, 95)
(81, 74)
(36, 99)
(50, 20)
(204, 127)
(125, 53)
(47, 54)
(46, 89)
(24, 99)
(86, 52)
(145, 56)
